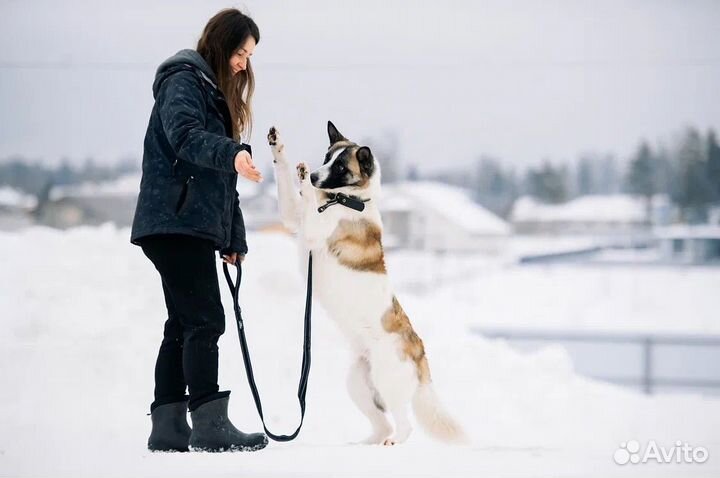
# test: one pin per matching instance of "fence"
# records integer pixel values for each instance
(647, 361)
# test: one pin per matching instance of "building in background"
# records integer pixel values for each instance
(597, 214)
(90, 203)
(682, 244)
(438, 217)
(15, 209)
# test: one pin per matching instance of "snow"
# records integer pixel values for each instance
(82, 323)
(540, 244)
(11, 197)
(618, 208)
(453, 203)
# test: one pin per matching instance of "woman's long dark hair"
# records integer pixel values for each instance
(224, 33)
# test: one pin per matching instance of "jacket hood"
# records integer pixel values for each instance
(184, 60)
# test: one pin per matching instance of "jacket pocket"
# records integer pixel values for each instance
(182, 199)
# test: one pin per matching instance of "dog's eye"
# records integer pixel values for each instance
(340, 168)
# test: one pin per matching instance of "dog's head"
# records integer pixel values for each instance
(347, 166)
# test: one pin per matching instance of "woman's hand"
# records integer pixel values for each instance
(232, 258)
(245, 167)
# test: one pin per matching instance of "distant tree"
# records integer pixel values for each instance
(692, 190)
(585, 180)
(20, 173)
(608, 178)
(412, 173)
(664, 174)
(641, 178)
(595, 174)
(548, 183)
(65, 174)
(127, 165)
(386, 148)
(713, 165)
(490, 180)
(494, 187)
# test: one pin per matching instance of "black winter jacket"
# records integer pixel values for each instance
(188, 183)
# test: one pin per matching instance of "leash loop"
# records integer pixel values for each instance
(305, 368)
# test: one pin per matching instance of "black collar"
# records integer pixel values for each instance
(353, 202)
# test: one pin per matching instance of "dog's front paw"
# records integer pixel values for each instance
(302, 172)
(273, 136)
(275, 141)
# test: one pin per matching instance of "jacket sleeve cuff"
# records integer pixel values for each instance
(239, 248)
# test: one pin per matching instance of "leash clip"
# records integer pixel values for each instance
(345, 200)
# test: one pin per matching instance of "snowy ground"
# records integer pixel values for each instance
(82, 316)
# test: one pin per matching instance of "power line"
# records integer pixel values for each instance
(454, 65)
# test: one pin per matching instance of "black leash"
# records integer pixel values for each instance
(352, 202)
(305, 370)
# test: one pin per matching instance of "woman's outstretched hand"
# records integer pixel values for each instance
(232, 258)
(245, 167)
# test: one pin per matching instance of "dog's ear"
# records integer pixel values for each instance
(365, 160)
(334, 134)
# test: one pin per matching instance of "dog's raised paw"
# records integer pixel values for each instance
(302, 171)
(275, 141)
(272, 136)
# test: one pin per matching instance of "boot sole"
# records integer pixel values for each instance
(168, 450)
(231, 449)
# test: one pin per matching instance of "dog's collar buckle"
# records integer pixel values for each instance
(352, 202)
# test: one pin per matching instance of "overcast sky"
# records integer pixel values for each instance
(519, 80)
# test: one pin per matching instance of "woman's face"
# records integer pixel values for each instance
(238, 61)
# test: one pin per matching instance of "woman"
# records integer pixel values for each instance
(188, 208)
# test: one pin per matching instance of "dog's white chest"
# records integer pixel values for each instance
(355, 300)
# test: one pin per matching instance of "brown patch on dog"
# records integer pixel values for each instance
(396, 321)
(356, 244)
(354, 166)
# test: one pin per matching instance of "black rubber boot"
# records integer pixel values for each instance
(212, 430)
(170, 429)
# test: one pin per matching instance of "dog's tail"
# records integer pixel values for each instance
(433, 418)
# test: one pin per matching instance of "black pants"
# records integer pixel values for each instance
(188, 355)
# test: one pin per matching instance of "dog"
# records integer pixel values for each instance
(350, 280)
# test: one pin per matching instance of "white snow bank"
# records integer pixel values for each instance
(82, 319)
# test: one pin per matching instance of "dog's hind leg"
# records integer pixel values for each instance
(396, 382)
(366, 398)
(402, 425)
(288, 193)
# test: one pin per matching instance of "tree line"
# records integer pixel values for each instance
(688, 172)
